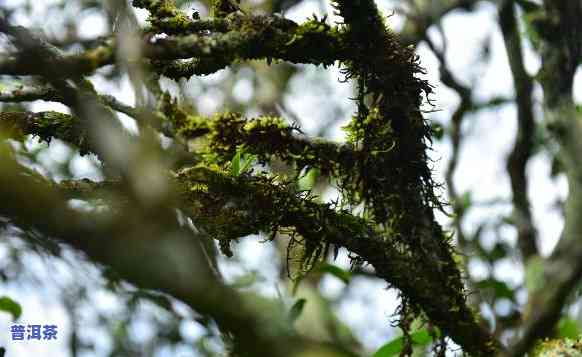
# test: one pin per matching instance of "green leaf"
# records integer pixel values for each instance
(336, 271)
(499, 251)
(534, 274)
(241, 162)
(235, 164)
(419, 338)
(569, 328)
(10, 306)
(499, 288)
(246, 280)
(466, 200)
(248, 161)
(307, 181)
(296, 309)
(392, 348)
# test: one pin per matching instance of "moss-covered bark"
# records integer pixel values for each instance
(384, 165)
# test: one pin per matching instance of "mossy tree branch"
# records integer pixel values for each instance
(387, 147)
(232, 207)
(250, 37)
(390, 127)
(46, 125)
(157, 255)
(282, 208)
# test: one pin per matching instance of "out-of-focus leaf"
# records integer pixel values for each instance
(509, 220)
(534, 274)
(246, 280)
(10, 306)
(296, 309)
(466, 201)
(499, 288)
(569, 328)
(500, 251)
(336, 271)
(393, 348)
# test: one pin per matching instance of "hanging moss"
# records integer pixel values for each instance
(393, 179)
(383, 167)
(233, 207)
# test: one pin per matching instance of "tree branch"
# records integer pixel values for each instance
(560, 53)
(251, 37)
(46, 125)
(425, 14)
(523, 146)
(153, 253)
(390, 128)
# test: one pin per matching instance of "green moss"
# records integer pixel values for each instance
(174, 115)
(310, 39)
(392, 179)
(384, 166)
(222, 8)
(175, 24)
(265, 137)
(192, 127)
(233, 207)
(558, 348)
(165, 17)
(46, 126)
(187, 68)
(89, 61)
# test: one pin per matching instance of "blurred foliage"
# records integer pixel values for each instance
(10, 306)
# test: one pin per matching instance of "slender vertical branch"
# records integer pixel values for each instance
(523, 146)
(466, 105)
(561, 50)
